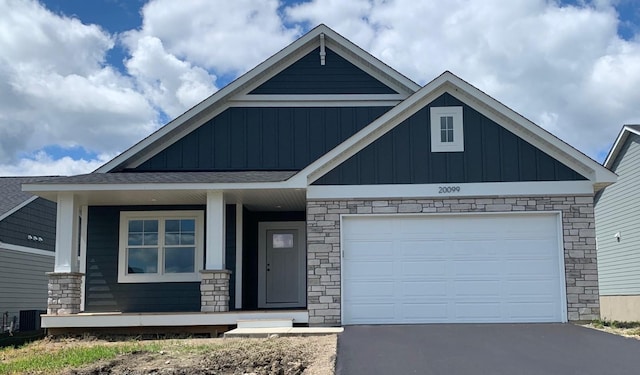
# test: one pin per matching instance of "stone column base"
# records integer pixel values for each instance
(214, 290)
(64, 293)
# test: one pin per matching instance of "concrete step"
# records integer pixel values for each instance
(282, 331)
(265, 323)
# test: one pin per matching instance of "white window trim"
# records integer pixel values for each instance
(458, 132)
(159, 277)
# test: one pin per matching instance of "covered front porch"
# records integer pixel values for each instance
(157, 254)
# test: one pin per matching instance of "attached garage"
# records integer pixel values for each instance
(462, 268)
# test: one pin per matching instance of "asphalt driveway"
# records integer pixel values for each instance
(492, 349)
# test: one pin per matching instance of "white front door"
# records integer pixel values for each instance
(281, 266)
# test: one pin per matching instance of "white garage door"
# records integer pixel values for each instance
(447, 269)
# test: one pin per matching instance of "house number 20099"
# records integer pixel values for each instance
(448, 189)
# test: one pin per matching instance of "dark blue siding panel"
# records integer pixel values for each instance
(37, 218)
(263, 139)
(492, 154)
(103, 293)
(337, 76)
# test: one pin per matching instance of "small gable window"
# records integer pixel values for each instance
(446, 129)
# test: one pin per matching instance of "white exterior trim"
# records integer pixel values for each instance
(160, 276)
(617, 145)
(84, 222)
(17, 208)
(457, 145)
(561, 263)
(215, 248)
(86, 320)
(239, 233)
(67, 233)
(447, 190)
(288, 184)
(24, 249)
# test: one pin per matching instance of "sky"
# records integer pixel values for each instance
(82, 81)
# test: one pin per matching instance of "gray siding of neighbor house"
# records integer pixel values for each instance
(23, 281)
(337, 76)
(263, 139)
(491, 154)
(618, 210)
(37, 218)
(104, 293)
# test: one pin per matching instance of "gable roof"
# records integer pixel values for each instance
(12, 198)
(619, 143)
(220, 100)
(480, 101)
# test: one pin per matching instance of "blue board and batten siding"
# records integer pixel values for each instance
(617, 210)
(38, 218)
(336, 76)
(491, 154)
(104, 293)
(254, 139)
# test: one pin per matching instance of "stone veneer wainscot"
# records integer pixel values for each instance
(323, 249)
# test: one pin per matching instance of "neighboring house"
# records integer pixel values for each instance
(27, 243)
(325, 187)
(618, 239)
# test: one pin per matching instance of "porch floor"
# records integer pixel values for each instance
(173, 319)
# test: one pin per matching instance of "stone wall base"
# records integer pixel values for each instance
(214, 290)
(64, 293)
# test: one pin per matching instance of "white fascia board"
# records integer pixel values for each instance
(24, 249)
(86, 320)
(217, 102)
(161, 186)
(17, 208)
(617, 145)
(534, 134)
(448, 190)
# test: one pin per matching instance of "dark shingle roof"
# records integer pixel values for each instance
(634, 127)
(11, 194)
(173, 177)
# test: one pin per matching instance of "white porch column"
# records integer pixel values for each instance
(214, 252)
(66, 258)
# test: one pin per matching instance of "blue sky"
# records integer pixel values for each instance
(81, 81)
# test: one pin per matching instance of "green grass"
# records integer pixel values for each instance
(32, 358)
(615, 324)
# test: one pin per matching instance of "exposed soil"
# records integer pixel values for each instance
(278, 356)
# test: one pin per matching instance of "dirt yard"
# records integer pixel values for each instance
(277, 355)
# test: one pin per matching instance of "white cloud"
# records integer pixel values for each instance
(56, 90)
(229, 37)
(41, 164)
(171, 84)
(563, 67)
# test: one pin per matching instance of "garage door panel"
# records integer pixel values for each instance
(369, 289)
(372, 269)
(433, 268)
(480, 288)
(370, 249)
(467, 268)
(477, 310)
(423, 289)
(424, 249)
